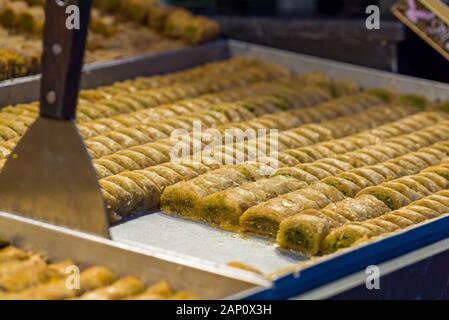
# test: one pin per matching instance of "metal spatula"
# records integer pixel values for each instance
(49, 176)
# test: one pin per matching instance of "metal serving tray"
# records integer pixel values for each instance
(202, 246)
(209, 280)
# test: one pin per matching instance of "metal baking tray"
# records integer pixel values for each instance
(209, 280)
(207, 246)
(202, 241)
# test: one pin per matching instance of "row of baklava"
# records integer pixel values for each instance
(430, 207)
(229, 207)
(203, 78)
(169, 20)
(221, 203)
(142, 156)
(28, 276)
(137, 98)
(136, 128)
(111, 36)
(135, 190)
(303, 226)
(22, 15)
(209, 72)
(309, 230)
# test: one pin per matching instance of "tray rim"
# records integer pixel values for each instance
(284, 283)
(26, 228)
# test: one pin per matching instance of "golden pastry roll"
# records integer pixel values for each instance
(371, 175)
(323, 151)
(398, 170)
(307, 154)
(358, 180)
(403, 189)
(33, 275)
(112, 166)
(314, 133)
(442, 147)
(158, 15)
(167, 173)
(158, 291)
(387, 226)
(286, 160)
(346, 187)
(411, 215)
(139, 158)
(384, 171)
(10, 13)
(345, 237)
(120, 289)
(117, 198)
(413, 184)
(264, 218)
(432, 150)
(429, 213)
(9, 267)
(398, 149)
(156, 156)
(108, 143)
(336, 146)
(316, 171)
(359, 209)
(439, 170)
(138, 190)
(11, 253)
(392, 198)
(225, 208)
(182, 197)
(150, 189)
(359, 158)
(18, 126)
(354, 159)
(6, 133)
(405, 142)
(303, 232)
(299, 155)
(331, 193)
(186, 172)
(331, 166)
(97, 149)
(340, 165)
(441, 197)
(361, 140)
(391, 150)
(351, 233)
(398, 220)
(32, 20)
(416, 160)
(139, 136)
(376, 154)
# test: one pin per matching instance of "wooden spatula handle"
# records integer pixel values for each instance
(63, 56)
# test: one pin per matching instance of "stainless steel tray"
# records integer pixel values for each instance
(209, 280)
(217, 246)
(199, 245)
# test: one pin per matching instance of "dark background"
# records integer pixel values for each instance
(333, 29)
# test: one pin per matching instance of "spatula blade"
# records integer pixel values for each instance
(50, 177)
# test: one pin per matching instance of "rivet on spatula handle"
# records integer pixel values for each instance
(63, 55)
